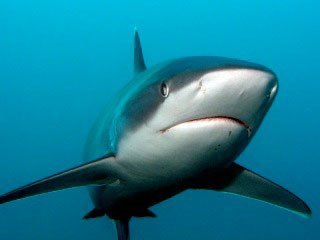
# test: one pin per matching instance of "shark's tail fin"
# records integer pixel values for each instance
(95, 172)
(122, 226)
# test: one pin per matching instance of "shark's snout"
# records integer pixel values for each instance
(266, 92)
(244, 94)
(261, 91)
(273, 87)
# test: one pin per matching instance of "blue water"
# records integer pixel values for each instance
(62, 61)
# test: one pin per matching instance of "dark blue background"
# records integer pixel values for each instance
(62, 60)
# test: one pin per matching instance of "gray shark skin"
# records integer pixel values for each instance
(178, 125)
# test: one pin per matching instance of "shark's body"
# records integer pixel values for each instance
(147, 153)
(175, 126)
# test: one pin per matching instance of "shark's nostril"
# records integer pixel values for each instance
(269, 94)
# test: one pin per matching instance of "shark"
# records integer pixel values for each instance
(178, 125)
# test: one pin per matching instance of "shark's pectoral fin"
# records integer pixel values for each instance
(95, 172)
(241, 181)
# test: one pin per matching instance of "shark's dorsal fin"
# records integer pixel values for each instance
(139, 65)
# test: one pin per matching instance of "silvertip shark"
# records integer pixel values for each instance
(177, 125)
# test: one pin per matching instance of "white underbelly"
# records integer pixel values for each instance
(149, 162)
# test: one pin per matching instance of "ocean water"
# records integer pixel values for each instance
(62, 61)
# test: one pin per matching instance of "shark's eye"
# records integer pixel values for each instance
(164, 90)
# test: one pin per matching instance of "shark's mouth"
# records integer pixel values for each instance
(216, 118)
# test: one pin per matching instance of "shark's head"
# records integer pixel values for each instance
(195, 111)
(200, 106)
(219, 91)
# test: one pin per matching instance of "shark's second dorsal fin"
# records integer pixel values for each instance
(139, 64)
